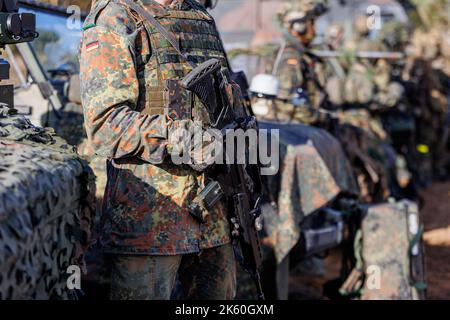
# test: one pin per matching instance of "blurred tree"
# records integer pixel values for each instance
(83, 4)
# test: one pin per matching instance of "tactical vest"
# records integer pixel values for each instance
(159, 77)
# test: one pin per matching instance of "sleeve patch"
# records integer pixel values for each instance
(92, 46)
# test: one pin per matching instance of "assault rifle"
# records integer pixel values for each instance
(231, 181)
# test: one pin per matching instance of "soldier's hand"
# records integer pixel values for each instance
(191, 144)
(203, 151)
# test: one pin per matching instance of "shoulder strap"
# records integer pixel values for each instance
(164, 32)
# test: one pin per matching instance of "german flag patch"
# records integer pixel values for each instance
(292, 61)
(92, 46)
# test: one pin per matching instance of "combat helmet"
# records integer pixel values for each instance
(394, 35)
(295, 13)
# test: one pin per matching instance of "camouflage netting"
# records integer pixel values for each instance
(46, 196)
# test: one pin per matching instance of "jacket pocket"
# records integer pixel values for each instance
(179, 101)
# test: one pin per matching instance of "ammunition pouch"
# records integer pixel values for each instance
(206, 200)
(170, 99)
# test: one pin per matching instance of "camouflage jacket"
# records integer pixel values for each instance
(299, 70)
(129, 83)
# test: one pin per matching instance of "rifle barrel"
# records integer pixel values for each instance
(360, 54)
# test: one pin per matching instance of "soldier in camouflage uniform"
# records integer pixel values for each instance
(427, 75)
(299, 71)
(304, 75)
(133, 104)
(368, 81)
(366, 93)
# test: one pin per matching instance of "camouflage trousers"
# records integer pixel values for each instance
(208, 275)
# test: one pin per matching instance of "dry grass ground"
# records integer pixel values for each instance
(436, 217)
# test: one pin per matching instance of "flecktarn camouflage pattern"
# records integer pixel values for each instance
(207, 276)
(146, 194)
(46, 208)
(298, 70)
(313, 172)
(133, 100)
(390, 252)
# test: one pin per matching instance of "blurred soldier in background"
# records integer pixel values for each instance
(366, 92)
(301, 76)
(393, 110)
(310, 91)
(359, 40)
(368, 82)
(426, 76)
(300, 73)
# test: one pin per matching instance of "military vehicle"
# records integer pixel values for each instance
(41, 70)
(46, 192)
